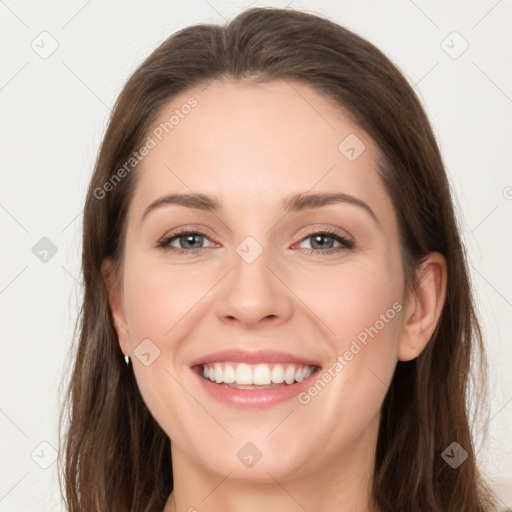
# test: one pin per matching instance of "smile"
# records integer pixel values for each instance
(253, 379)
(246, 376)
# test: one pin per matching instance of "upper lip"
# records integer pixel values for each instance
(252, 357)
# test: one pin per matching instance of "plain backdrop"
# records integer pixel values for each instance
(62, 66)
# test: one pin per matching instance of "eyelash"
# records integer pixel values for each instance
(348, 244)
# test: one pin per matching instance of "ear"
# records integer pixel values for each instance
(424, 306)
(115, 295)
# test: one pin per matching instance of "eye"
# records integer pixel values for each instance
(190, 242)
(187, 241)
(322, 242)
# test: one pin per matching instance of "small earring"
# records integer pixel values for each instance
(127, 360)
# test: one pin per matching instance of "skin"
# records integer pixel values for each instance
(252, 146)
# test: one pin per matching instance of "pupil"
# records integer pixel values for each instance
(317, 238)
(190, 238)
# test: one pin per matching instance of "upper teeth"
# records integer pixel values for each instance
(259, 374)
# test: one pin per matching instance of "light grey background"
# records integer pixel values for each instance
(54, 112)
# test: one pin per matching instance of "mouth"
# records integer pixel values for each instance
(242, 378)
(260, 376)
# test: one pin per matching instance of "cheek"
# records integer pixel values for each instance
(157, 298)
(355, 301)
(361, 305)
(163, 306)
(159, 304)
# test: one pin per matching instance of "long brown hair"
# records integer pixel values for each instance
(115, 457)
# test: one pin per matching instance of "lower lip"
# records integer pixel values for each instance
(254, 398)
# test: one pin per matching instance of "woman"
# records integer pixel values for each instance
(249, 371)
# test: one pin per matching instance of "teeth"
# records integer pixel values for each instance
(278, 374)
(262, 375)
(289, 374)
(259, 375)
(219, 377)
(229, 374)
(243, 374)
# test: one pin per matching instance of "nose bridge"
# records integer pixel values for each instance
(252, 291)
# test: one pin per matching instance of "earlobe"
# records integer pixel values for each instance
(111, 280)
(424, 307)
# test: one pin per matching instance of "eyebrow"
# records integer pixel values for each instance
(293, 203)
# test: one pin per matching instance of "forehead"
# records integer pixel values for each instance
(250, 144)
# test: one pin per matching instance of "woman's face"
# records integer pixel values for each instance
(258, 291)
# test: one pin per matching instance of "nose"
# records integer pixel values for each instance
(254, 293)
